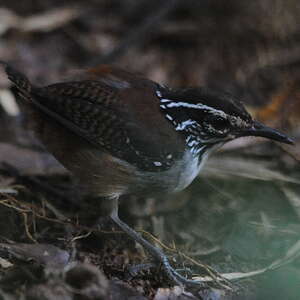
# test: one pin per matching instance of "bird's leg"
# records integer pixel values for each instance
(154, 251)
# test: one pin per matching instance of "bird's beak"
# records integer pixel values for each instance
(259, 129)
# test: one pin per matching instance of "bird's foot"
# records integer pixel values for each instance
(158, 255)
(175, 276)
(134, 270)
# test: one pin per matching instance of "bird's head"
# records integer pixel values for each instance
(208, 118)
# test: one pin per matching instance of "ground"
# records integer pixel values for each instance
(237, 226)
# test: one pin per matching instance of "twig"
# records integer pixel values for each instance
(27, 228)
(213, 273)
(25, 208)
(214, 276)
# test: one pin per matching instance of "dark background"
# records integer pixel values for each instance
(241, 215)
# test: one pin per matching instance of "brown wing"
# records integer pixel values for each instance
(128, 129)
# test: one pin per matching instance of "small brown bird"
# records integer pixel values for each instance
(121, 134)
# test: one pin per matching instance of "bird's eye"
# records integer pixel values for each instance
(216, 124)
(220, 123)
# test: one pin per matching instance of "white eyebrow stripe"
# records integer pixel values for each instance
(195, 106)
(182, 104)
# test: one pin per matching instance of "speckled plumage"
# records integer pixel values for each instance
(94, 109)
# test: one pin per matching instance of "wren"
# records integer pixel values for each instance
(122, 134)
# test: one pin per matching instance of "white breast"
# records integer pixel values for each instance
(190, 166)
(175, 179)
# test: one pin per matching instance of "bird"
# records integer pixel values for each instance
(123, 134)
